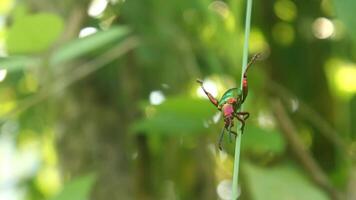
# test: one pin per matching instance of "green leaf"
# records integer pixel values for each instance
(83, 46)
(177, 115)
(77, 189)
(19, 11)
(280, 183)
(261, 141)
(34, 33)
(72, 50)
(345, 12)
(15, 63)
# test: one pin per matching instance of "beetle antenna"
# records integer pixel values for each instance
(200, 81)
(253, 60)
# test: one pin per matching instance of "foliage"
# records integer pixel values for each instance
(177, 115)
(71, 105)
(41, 31)
(84, 46)
(77, 189)
(288, 181)
(344, 11)
(262, 141)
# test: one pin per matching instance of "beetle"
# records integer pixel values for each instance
(230, 104)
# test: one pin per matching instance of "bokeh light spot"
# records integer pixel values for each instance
(216, 117)
(97, 7)
(3, 32)
(3, 73)
(345, 79)
(207, 33)
(285, 10)
(341, 75)
(224, 190)
(294, 104)
(283, 33)
(257, 42)
(220, 7)
(230, 23)
(6, 6)
(323, 28)
(87, 31)
(265, 120)
(48, 181)
(210, 86)
(327, 7)
(6, 107)
(156, 97)
(12, 193)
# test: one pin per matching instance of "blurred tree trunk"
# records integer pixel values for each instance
(92, 133)
(92, 139)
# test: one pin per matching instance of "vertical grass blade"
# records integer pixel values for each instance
(235, 179)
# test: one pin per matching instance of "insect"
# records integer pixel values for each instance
(230, 104)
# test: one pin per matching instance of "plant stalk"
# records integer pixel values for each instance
(235, 179)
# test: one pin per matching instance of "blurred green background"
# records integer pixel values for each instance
(98, 99)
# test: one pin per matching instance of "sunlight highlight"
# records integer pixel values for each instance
(11, 193)
(323, 28)
(87, 31)
(345, 79)
(258, 42)
(3, 33)
(3, 73)
(157, 97)
(265, 120)
(285, 10)
(294, 103)
(224, 189)
(341, 75)
(6, 6)
(283, 33)
(97, 7)
(210, 86)
(16, 165)
(48, 181)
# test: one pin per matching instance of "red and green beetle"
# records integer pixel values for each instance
(230, 104)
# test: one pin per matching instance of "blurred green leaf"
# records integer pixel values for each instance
(280, 183)
(19, 11)
(15, 63)
(83, 46)
(77, 189)
(177, 115)
(34, 33)
(260, 141)
(72, 50)
(345, 11)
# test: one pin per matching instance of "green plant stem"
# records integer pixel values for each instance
(235, 179)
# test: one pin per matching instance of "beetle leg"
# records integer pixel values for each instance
(221, 138)
(211, 98)
(229, 131)
(242, 122)
(244, 80)
(245, 115)
(234, 133)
